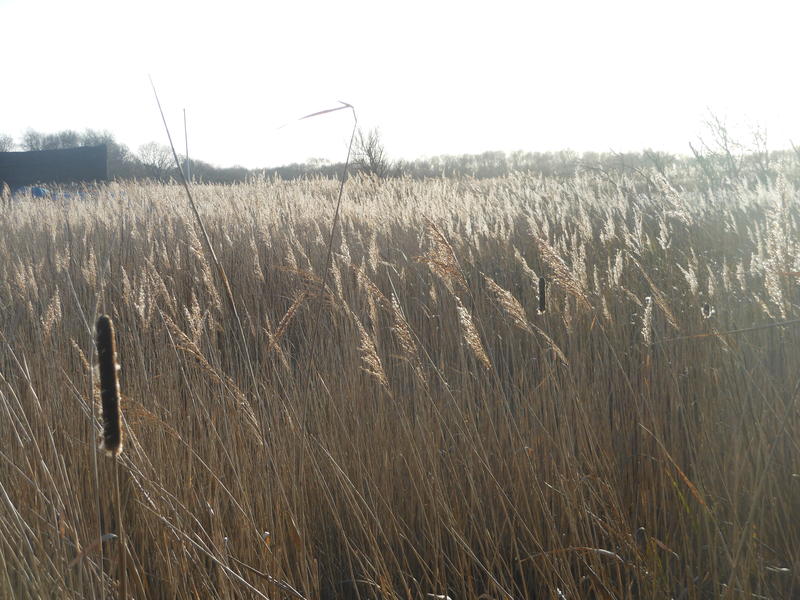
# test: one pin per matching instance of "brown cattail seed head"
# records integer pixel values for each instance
(641, 538)
(542, 301)
(708, 310)
(109, 386)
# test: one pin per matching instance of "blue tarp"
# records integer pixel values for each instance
(33, 191)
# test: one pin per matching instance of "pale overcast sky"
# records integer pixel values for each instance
(436, 77)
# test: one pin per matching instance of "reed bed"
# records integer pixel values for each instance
(509, 388)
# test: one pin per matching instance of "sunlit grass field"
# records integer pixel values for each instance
(412, 424)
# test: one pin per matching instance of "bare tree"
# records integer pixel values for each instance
(156, 158)
(6, 143)
(722, 157)
(370, 155)
(761, 155)
(34, 140)
(729, 149)
(796, 150)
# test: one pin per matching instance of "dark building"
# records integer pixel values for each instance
(70, 165)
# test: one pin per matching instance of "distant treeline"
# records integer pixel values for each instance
(710, 163)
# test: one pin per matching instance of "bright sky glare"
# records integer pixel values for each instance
(437, 77)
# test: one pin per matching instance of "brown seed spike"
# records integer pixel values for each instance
(109, 386)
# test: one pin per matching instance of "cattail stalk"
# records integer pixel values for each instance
(112, 423)
(109, 386)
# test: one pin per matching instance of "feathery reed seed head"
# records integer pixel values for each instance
(470, 334)
(647, 321)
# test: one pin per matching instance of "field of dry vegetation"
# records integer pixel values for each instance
(420, 428)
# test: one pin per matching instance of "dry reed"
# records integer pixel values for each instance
(379, 450)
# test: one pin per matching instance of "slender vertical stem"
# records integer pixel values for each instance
(188, 167)
(123, 563)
